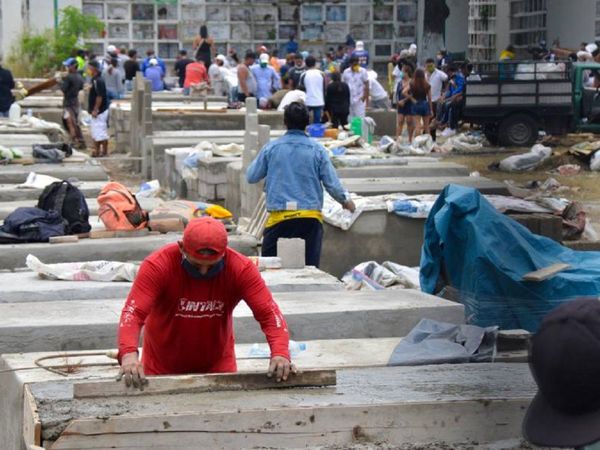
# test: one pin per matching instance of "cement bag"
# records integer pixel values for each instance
(370, 275)
(84, 271)
(464, 142)
(406, 276)
(334, 214)
(421, 145)
(527, 161)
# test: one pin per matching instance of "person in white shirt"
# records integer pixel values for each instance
(357, 80)
(295, 95)
(436, 79)
(217, 73)
(313, 83)
(379, 96)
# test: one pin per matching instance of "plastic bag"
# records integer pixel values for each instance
(406, 276)
(526, 161)
(149, 189)
(595, 161)
(415, 209)
(84, 271)
(370, 275)
(38, 181)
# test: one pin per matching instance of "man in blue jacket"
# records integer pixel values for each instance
(296, 168)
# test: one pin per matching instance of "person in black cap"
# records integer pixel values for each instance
(565, 363)
(71, 84)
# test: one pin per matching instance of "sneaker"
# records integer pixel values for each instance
(448, 132)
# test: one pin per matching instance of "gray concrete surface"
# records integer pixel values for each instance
(426, 185)
(375, 236)
(26, 286)
(337, 354)
(445, 406)
(410, 170)
(17, 173)
(23, 140)
(74, 325)
(12, 192)
(117, 249)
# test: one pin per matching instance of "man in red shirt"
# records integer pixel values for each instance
(184, 296)
(195, 73)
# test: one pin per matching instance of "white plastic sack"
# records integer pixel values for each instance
(84, 271)
(37, 181)
(526, 161)
(406, 276)
(370, 275)
(412, 208)
(421, 145)
(375, 276)
(544, 71)
(595, 161)
(334, 214)
(149, 189)
(463, 142)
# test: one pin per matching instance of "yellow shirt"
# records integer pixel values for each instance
(276, 217)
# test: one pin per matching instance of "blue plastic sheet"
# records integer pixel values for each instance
(485, 254)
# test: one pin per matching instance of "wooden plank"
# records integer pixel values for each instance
(63, 239)
(546, 272)
(204, 383)
(32, 426)
(455, 422)
(103, 234)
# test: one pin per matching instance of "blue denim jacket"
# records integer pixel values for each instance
(296, 168)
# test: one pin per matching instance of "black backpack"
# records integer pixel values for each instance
(69, 202)
(30, 224)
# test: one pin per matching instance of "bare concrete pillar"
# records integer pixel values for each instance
(250, 193)
(251, 105)
(141, 124)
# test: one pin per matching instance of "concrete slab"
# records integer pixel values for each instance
(7, 207)
(12, 192)
(23, 140)
(446, 406)
(412, 186)
(117, 249)
(383, 237)
(17, 173)
(336, 353)
(74, 325)
(410, 170)
(208, 134)
(26, 286)
(54, 134)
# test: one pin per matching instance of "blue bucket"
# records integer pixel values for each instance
(316, 130)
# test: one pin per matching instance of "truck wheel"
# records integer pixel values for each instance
(518, 130)
(491, 134)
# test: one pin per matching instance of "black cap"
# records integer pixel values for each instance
(95, 64)
(565, 362)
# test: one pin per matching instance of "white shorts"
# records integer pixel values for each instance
(99, 127)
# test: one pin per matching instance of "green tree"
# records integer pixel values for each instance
(40, 54)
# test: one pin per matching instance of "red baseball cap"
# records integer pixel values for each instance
(205, 233)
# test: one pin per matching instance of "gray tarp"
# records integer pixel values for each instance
(433, 342)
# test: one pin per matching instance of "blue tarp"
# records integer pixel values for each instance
(485, 255)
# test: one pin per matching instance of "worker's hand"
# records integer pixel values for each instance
(350, 206)
(280, 367)
(132, 371)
